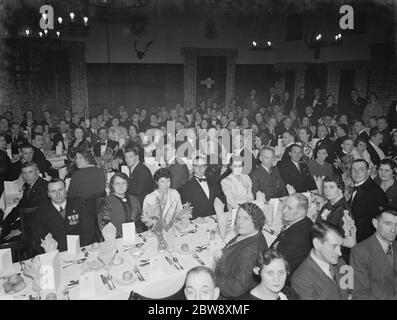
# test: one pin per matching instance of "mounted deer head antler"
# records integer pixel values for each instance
(141, 54)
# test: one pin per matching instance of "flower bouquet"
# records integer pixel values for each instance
(161, 222)
(108, 161)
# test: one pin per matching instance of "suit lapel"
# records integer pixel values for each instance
(199, 187)
(380, 257)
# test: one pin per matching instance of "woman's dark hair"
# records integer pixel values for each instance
(360, 139)
(321, 147)
(264, 138)
(87, 155)
(344, 127)
(120, 175)
(81, 128)
(266, 257)
(135, 127)
(256, 214)
(337, 180)
(162, 173)
(391, 163)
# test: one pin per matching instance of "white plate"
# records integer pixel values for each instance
(118, 278)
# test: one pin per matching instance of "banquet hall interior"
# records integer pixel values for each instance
(192, 149)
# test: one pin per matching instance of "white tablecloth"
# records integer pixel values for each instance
(171, 279)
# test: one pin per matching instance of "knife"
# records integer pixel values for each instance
(172, 263)
(105, 282)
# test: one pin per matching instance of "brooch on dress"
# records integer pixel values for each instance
(324, 214)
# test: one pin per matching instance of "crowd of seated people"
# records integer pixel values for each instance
(346, 153)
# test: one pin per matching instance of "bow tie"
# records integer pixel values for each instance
(103, 143)
(201, 179)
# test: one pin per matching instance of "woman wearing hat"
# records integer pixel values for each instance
(234, 268)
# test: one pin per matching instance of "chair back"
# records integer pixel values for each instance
(27, 216)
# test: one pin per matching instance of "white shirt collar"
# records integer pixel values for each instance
(382, 242)
(267, 169)
(360, 183)
(58, 206)
(323, 265)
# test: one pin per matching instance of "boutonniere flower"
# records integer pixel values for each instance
(325, 214)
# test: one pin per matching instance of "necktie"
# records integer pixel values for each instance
(389, 254)
(331, 272)
(62, 212)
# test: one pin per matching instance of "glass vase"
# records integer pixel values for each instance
(162, 245)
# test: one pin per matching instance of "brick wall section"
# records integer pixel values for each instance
(382, 80)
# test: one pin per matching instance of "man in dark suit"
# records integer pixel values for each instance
(272, 98)
(301, 102)
(106, 146)
(359, 130)
(242, 148)
(294, 239)
(373, 146)
(392, 116)
(60, 216)
(355, 107)
(342, 132)
(140, 182)
(93, 131)
(288, 142)
(366, 199)
(325, 140)
(61, 135)
(374, 260)
(266, 178)
(199, 191)
(34, 192)
(383, 127)
(28, 154)
(319, 277)
(295, 172)
(17, 138)
(318, 105)
(5, 162)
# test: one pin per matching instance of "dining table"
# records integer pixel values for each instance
(204, 244)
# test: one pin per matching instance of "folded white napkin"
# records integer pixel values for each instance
(49, 244)
(109, 232)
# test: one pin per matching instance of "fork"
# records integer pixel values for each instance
(110, 277)
(177, 262)
(195, 256)
(85, 252)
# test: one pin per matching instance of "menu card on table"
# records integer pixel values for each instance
(5, 261)
(73, 243)
(129, 233)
